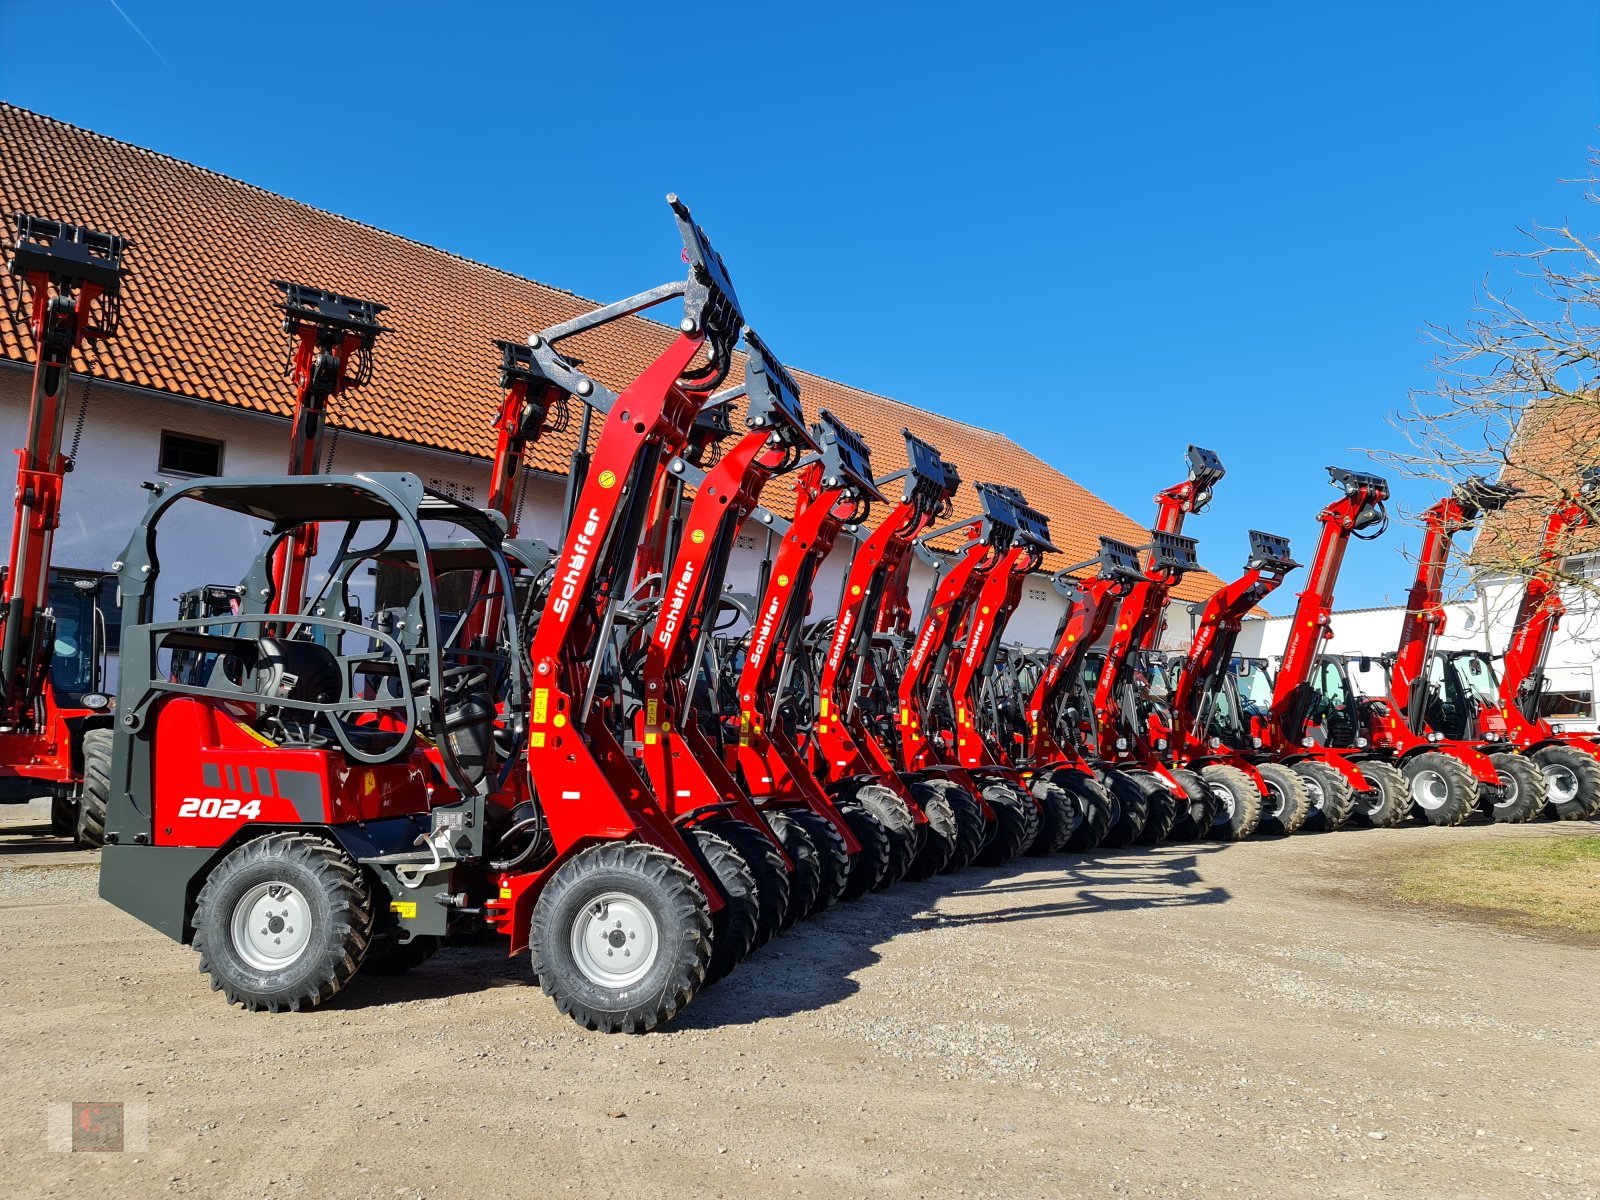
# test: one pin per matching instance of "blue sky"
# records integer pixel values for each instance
(1106, 230)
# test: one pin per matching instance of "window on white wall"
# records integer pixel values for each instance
(189, 456)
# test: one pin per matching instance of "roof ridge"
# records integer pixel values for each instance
(327, 212)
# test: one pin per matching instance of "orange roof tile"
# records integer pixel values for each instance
(197, 321)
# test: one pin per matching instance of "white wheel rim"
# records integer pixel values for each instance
(1561, 783)
(271, 926)
(1509, 791)
(1314, 792)
(1229, 804)
(1279, 799)
(1429, 789)
(615, 940)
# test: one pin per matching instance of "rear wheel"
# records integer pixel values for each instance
(1572, 781)
(971, 828)
(833, 857)
(766, 867)
(1194, 821)
(96, 791)
(805, 880)
(733, 926)
(64, 812)
(870, 867)
(1238, 802)
(1162, 813)
(1443, 791)
(282, 922)
(1330, 794)
(900, 826)
(1522, 790)
(1387, 802)
(1133, 804)
(938, 834)
(1098, 806)
(621, 937)
(1286, 805)
(1016, 823)
(1059, 814)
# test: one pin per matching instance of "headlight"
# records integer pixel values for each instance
(1361, 743)
(1122, 743)
(96, 700)
(1435, 736)
(1308, 742)
(1161, 743)
(1558, 729)
(1491, 736)
(1255, 743)
(1215, 743)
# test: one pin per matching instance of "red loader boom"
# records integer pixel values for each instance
(72, 278)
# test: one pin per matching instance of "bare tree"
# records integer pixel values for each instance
(1517, 397)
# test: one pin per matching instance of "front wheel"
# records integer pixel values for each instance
(1443, 791)
(282, 922)
(1287, 805)
(621, 937)
(938, 834)
(90, 830)
(1386, 803)
(1238, 809)
(1194, 822)
(1330, 794)
(1016, 823)
(1522, 792)
(1572, 781)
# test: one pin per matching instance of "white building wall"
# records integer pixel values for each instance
(1482, 620)
(120, 450)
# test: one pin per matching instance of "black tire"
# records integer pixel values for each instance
(870, 867)
(767, 867)
(1238, 802)
(1133, 804)
(938, 834)
(1388, 802)
(1522, 793)
(580, 898)
(1194, 822)
(1016, 822)
(971, 828)
(805, 880)
(833, 858)
(1572, 781)
(90, 829)
(1442, 789)
(1330, 794)
(294, 886)
(1286, 805)
(64, 812)
(1095, 802)
(905, 835)
(385, 956)
(1059, 815)
(733, 926)
(1161, 814)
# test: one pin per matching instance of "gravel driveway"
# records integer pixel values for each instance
(1251, 1020)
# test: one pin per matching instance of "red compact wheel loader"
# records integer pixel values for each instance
(1468, 699)
(51, 629)
(331, 786)
(1209, 733)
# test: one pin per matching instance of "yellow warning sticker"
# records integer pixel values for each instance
(541, 705)
(783, 581)
(369, 783)
(505, 893)
(608, 479)
(406, 908)
(538, 740)
(698, 536)
(824, 709)
(652, 711)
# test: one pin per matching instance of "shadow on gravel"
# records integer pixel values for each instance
(813, 965)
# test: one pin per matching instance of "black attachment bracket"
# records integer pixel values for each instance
(1174, 553)
(1269, 554)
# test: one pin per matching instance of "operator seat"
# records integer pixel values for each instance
(294, 670)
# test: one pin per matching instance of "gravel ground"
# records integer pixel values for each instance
(1254, 1020)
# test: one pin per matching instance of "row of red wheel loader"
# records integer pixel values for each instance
(604, 753)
